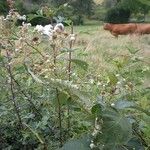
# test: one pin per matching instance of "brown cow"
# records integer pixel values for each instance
(121, 29)
(143, 29)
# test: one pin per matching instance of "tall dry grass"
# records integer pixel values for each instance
(102, 47)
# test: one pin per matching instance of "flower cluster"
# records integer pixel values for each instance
(49, 30)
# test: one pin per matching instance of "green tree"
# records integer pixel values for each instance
(84, 7)
(58, 2)
(3, 7)
(81, 8)
(123, 7)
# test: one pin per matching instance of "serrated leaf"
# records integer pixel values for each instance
(116, 129)
(63, 98)
(78, 144)
(80, 63)
(121, 104)
(82, 97)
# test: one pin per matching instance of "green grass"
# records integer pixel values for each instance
(104, 53)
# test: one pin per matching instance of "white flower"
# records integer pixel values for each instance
(104, 85)
(46, 77)
(59, 28)
(29, 24)
(99, 83)
(92, 145)
(74, 74)
(72, 37)
(58, 80)
(38, 28)
(48, 60)
(91, 81)
(118, 83)
(117, 75)
(8, 17)
(94, 132)
(48, 27)
(112, 104)
(75, 86)
(124, 79)
(52, 79)
(66, 4)
(16, 49)
(46, 30)
(26, 25)
(22, 17)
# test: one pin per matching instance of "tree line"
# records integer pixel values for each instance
(116, 11)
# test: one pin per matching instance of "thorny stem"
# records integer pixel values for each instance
(28, 98)
(12, 90)
(35, 49)
(142, 139)
(59, 117)
(57, 94)
(21, 91)
(70, 55)
(37, 136)
(69, 77)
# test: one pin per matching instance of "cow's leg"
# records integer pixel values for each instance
(114, 34)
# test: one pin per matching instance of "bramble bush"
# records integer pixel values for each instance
(50, 101)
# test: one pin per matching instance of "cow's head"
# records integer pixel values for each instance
(107, 26)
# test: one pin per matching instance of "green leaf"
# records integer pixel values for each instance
(132, 50)
(112, 78)
(68, 22)
(82, 98)
(31, 17)
(78, 144)
(96, 109)
(34, 76)
(1, 58)
(116, 129)
(135, 144)
(40, 12)
(64, 50)
(121, 104)
(63, 98)
(147, 112)
(146, 2)
(80, 63)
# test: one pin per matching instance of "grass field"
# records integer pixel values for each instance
(102, 47)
